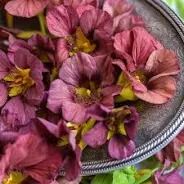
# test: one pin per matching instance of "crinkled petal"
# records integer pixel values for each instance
(3, 94)
(21, 115)
(97, 136)
(120, 147)
(159, 91)
(82, 8)
(26, 8)
(62, 21)
(162, 63)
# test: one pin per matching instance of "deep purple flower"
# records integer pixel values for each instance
(34, 157)
(21, 85)
(86, 33)
(85, 88)
(119, 129)
(123, 13)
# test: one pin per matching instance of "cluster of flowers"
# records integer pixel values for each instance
(67, 90)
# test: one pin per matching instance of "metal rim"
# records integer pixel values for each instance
(165, 136)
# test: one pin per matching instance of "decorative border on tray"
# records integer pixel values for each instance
(165, 136)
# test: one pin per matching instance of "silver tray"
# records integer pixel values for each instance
(159, 124)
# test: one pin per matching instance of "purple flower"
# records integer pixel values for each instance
(21, 85)
(86, 33)
(85, 88)
(119, 129)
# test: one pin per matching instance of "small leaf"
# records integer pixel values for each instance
(102, 179)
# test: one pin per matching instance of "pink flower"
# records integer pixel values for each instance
(88, 34)
(21, 85)
(26, 8)
(34, 157)
(149, 68)
(85, 88)
(123, 13)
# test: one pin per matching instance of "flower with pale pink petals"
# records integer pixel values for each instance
(123, 13)
(91, 33)
(33, 155)
(119, 129)
(85, 88)
(149, 68)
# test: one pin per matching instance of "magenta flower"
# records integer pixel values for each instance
(123, 14)
(34, 158)
(88, 34)
(150, 70)
(85, 88)
(21, 85)
(119, 129)
(26, 8)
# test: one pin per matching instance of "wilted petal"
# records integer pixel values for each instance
(82, 8)
(26, 8)
(62, 21)
(3, 94)
(97, 136)
(159, 91)
(21, 115)
(120, 147)
(162, 63)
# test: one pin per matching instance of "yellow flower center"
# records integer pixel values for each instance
(14, 178)
(79, 130)
(80, 42)
(19, 81)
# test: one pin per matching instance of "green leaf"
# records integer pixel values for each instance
(143, 175)
(102, 179)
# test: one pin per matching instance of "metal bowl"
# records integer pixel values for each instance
(159, 124)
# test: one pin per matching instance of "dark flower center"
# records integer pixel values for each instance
(19, 81)
(79, 42)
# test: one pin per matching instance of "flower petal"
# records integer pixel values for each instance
(159, 90)
(62, 21)
(4, 65)
(162, 63)
(98, 21)
(3, 94)
(120, 147)
(21, 115)
(97, 136)
(26, 8)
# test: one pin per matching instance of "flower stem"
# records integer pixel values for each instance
(9, 20)
(41, 18)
